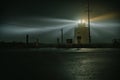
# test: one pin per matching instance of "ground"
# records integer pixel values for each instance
(61, 64)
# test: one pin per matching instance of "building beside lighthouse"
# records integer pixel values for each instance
(81, 33)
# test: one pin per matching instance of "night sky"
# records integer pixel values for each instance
(44, 19)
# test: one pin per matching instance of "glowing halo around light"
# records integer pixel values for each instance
(82, 21)
(79, 21)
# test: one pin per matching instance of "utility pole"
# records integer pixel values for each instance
(62, 36)
(27, 39)
(89, 21)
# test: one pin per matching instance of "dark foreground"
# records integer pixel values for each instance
(60, 64)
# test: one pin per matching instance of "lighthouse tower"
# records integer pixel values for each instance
(81, 33)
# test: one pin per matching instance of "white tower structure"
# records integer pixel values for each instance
(81, 33)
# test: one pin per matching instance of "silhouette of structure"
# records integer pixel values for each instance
(62, 36)
(27, 39)
(58, 41)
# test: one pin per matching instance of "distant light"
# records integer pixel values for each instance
(83, 21)
(79, 21)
